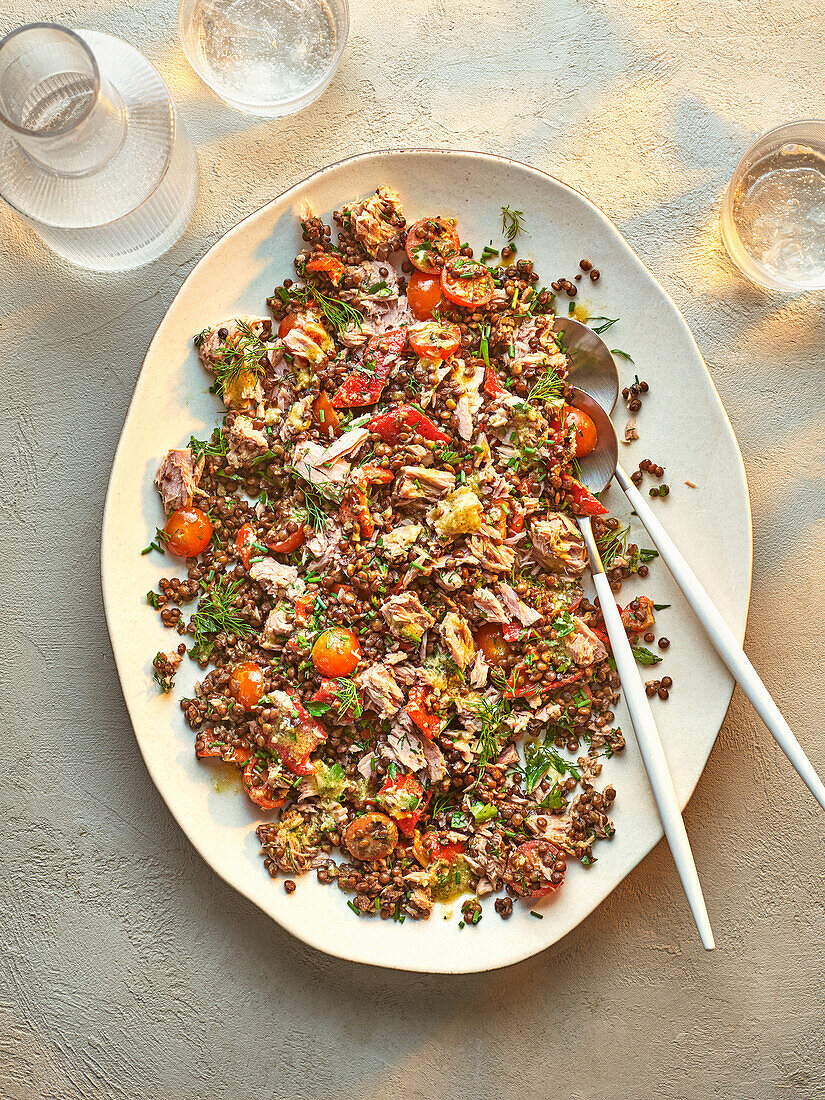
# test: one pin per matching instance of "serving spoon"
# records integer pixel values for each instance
(599, 377)
(597, 469)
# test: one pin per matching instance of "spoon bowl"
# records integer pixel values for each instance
(598, 467)
(591, 367)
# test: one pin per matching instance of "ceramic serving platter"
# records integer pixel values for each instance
(683, 426)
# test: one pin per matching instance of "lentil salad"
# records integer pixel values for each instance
(389, 583)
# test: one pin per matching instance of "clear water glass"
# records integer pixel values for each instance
(92, 154)
(773, 215)
(264, 57)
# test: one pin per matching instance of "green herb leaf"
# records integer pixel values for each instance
(644, 656)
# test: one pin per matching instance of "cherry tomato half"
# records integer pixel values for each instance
(324, 417)
(187, 532)
(536, 868)
(258, 788)
(424, 294)
(336, 652)
(586, 434)
(434, 339)
(430, 242)
(639, 618)
(428, 848)
(290, 543)
(490, 640)
(246, 684)
(371, 836)
(467, 282)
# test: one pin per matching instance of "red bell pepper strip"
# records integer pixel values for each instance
(358, 509)
(511, 632)
(429, 724)
(295, 745)
(492, 385)
(302, 606)
(389, 424)
(364, 385)
(329, 264)
(207, 746)
(566, 680)
(583, 501)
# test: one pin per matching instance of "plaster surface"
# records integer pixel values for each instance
(128, 969)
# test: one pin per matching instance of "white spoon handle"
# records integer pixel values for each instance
(650, 746)
(726, 645)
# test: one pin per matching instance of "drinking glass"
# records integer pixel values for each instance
(773, 215)
(92, 154)
(264, 57)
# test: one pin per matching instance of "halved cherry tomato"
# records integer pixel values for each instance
(405, 800)
(243, 544)
(430, 242)
(639, 618)
(329, 264)
(325, 417)
(490, 640)
(467, 282)
(246, 683)
(428, 848)
(187, 532)
(370, 837)
(536, 868)
(258, 788)
(336, 652)
(290, 543)
(424, 294)
(291, 321)
(586, 434)
(434, 339)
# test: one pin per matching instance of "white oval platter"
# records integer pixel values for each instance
(683, 426)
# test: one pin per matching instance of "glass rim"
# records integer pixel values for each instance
(46, 134)
(248, 106)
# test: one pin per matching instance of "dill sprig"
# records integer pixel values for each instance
(217, 614)
(612, 545)
(315, 498)
(549, 388)
(512, 223)
(347, 693)
(339, 314)
(239, 359)
(492, 714)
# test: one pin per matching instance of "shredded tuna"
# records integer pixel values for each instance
(177, 479)
(458, 639)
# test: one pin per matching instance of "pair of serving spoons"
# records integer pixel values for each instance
(593, 371)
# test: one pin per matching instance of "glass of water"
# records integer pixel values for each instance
(264, 57)
(773, 215)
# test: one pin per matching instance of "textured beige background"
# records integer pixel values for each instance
(129, 971)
